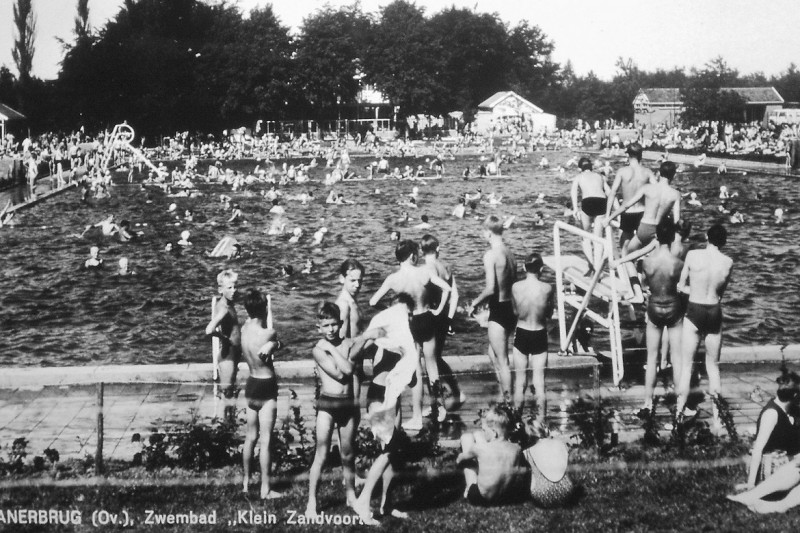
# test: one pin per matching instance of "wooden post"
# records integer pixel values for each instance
(98, 455)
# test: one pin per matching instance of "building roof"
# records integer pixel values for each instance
(501, 97)
(6, 113)
(751, 95)
(757, 95)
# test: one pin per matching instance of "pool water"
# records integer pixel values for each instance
(52, 312)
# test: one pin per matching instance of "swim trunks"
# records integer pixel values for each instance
(502, 313)
(530, 342)
(341, 408)
(443, 320)
(665, 311)
(646, 233)
(376, 393)
(629, 222)
(594, 206)
(259, 391)
(387, 362)
(707, 318)
(475, 497)
(423, 327)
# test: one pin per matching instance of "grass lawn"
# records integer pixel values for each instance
(626, 500)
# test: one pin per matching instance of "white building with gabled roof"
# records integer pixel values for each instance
(507, 108)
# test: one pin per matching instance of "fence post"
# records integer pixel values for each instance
(98, 455)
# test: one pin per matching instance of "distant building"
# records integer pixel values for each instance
(652, 107)
(8, 115)
(507, 107)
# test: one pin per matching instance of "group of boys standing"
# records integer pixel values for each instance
(429, 296)
(686, 286)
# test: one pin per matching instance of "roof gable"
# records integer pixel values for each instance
(508, 97)
(6, 113)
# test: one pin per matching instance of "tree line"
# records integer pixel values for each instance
(168, 65)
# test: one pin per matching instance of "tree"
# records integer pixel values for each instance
(402, 58)
(8, 83)
(328, 60)
(25, 23)
(531, 68)
(702, 103)
(475, 58)
(82, 29)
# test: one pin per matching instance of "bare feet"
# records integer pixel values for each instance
(311, 511)
(364, 514)
(741, 497)
(414, 424)
(395, 513)
(270, 494)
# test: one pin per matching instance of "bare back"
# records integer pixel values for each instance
(413, 281)
(631, 179)
(500, 261)
(497, 467)
(533, 301)
(706, 273)
(662, 270)
(591, 185)
(254, 337)
(659, 200)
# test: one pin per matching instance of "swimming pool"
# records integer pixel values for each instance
(54, 313)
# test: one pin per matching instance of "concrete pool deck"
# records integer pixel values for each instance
(57, 407)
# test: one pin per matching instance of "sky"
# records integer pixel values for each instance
(751, 35)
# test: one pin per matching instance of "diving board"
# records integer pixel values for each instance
(610, 282)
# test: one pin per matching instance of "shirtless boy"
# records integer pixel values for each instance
(660, 201)
(336, 406)
(662, 269)
(259, 342)
(418, 283)
(225, 325)
(593, 191)
(501, 272)
(704, 278)
(496, 472)
(429, 245)
(533, 303)
(631, 178)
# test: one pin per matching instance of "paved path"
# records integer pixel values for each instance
(57, 407)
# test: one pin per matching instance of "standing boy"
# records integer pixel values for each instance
(418, 283)
(704, 277)
(501, 271)
(533, 302)
(336, 406)
(259, 342)
(225, 325)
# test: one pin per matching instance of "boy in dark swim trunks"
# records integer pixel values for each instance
(336, 406)
(496, 472)
(501, 272)
(259, 342)
(594, 192)
(662, 271)
(533, 302)
(704, 277)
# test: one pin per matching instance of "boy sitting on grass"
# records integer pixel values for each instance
(335, 361)
(494, 475)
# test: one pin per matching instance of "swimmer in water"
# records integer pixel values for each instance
(394, 236)
(460, 209)
(94, 260)
(779, 215)
(736, 217)
(124, 270)
(723, 192)
(308, 268)
(296, 234)
(319, 235)
(236, 215)
(693, 200)
(424, 224)
(539, 199)
(185, 239)
(538, 219)
(107, 226)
